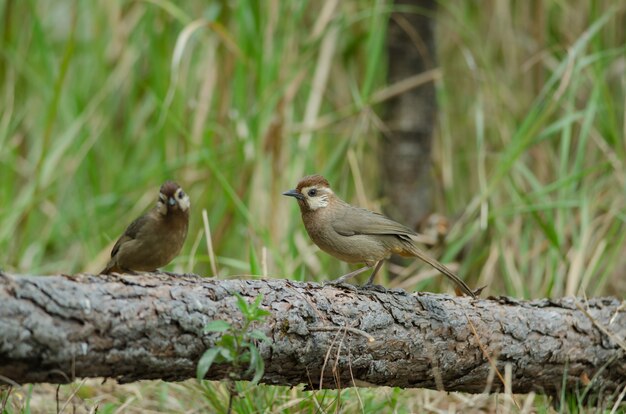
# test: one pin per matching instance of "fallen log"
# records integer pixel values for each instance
(57, 328)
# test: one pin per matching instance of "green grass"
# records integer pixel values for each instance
(548, 196)
(102, 101)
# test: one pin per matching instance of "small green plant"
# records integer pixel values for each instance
(237, 346)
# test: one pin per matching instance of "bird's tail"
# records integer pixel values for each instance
(415, 251)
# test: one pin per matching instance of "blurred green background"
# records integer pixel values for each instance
(101, 101)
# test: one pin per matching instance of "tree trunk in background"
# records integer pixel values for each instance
(56, 328)
(410, 117)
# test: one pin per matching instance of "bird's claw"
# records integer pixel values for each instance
(478, 291)
(376, 288)
(192, 276)
(171, 274)
(339, 283)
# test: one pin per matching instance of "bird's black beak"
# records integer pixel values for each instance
(171, 201)
(294, 193)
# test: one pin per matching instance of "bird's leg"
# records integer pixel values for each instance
(347, 276)
(478, 291)
(376, 269)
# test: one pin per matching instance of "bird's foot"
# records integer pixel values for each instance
(191, 276)
(171, 274)
(478, 291)
(376, 288)
(340, 283)
(339, 280)
(127, 272)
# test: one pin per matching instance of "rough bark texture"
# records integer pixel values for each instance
(129, 328)
(410, 117)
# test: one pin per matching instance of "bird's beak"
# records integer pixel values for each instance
(294, 193)
(171, 201)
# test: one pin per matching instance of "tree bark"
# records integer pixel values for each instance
(410, 117)
(56, 328)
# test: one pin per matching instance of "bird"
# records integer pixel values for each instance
(155, 238)
(357, 235)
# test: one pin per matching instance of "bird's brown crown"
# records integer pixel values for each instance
(312, 181)
(169, 188)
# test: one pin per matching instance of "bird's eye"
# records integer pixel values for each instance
(312, 192)
(181, 195)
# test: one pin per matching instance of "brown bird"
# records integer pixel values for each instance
(154, 239)
(357, 235)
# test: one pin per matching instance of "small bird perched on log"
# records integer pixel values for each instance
(154, 239)
(357, 235)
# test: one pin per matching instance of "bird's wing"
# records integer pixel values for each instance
(131, 233)
(361, 221)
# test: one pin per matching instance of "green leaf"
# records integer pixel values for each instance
(205, 362)
(217, 326)
(251, 311)
(228, 341)
(261, 313)
(227, 354)
(257, 301)
(242, 304)
(255, 266)
(257, 313)
(244, 357)
(256, 363)
(256, 334)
